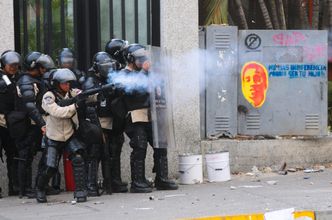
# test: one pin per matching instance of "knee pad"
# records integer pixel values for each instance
(52, 157)
(23, 154)
(77, 160)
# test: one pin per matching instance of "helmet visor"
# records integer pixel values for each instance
(67, 60)
(140, 55)
(105, 68)
(46, 62)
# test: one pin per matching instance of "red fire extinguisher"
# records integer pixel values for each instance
(68, 171)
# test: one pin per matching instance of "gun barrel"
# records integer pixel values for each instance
(107, 87)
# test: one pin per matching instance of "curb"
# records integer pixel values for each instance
(298, 215)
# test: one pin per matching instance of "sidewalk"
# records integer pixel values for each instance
(244, 194)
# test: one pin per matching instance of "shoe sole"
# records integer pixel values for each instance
(140, 191)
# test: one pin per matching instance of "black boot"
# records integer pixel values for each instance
(116, 182)
(92, 172)
(28, 191)
(56, 182)
(13, 189)
(106, 170)
(138, 181)
(41, 196)
(41, 183)
(80, 179)
(162, 182)
(21, 172)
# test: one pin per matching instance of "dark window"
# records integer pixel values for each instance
(83, 25)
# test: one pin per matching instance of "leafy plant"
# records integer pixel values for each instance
(214, 11)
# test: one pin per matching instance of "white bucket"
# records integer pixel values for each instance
(190, 169)
(218, 166)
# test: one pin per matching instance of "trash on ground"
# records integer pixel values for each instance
(311, 171)
(151, 198)
(144, 208)
(73, 202)
(174, 195)
(255, 170)
(267, 170)
(306, 177)
(250, 174)
(250, 186)
(98, 203)
(233, 188)
(272, 182)
(292, 170)
(283, 172)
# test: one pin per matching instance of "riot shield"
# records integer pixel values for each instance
(160, 102)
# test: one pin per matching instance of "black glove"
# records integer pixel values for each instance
(67, 102)
(80, 100)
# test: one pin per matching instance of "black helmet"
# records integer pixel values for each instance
(115, 49)
(10, 57)
(135, 52)
(62, 76)
(103, 63)
(66, 55)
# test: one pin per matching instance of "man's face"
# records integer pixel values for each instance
(11, 69)
(42, 70)
(67, 65)
(254, 83)
(65, 87)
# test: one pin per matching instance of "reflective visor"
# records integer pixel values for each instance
(67, 60)
(140, 55)
(105, 68)
(46, 61)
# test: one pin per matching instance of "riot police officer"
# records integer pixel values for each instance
(103, 65)
(60, 127)
(27, 124)
(115, 49)
(10, 67)
(67, 59)
(139, 127)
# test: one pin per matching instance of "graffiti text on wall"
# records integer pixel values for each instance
(295, 71)
(288, 39)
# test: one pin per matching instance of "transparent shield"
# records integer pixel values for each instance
(161, 107)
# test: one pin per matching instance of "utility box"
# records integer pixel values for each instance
(220, 79)
(282, 83)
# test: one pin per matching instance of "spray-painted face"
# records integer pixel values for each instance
(254, 83)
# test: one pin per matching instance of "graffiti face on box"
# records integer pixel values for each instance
(254, 77)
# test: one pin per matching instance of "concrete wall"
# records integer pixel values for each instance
(245, 154)
(179, 37)
(7, 25)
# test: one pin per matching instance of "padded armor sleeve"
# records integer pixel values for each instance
(29, 99)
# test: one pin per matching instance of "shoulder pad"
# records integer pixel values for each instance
(88, 83)
(26, 79)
